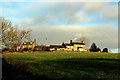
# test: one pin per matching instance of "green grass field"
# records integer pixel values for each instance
(67, 65)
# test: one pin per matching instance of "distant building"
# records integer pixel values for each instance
(42, 48)
(56, 47)
(29, 45)
(72, 46)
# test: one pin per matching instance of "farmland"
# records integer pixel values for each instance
(62, 65)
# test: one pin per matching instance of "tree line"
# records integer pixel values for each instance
(94, 48)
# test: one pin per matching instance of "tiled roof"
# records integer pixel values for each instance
(47, 46)
(78, 43)
(80, 47)
(67, 44)
(56, 46)
(71, 44)
(42, 46)
(27, 43)
(37, 47)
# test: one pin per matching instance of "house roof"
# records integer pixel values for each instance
(71, 44)
(78, 43)
(80, 47)
(47, 46)
(67, 44)
(42, 46)
(56, 46)
(37, 47)
(27, 43)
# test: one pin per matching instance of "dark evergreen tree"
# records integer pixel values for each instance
(93, 48)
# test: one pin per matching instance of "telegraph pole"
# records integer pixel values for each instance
(46, 42)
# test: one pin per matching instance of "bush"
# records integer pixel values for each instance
(5, 49)
(105, 50)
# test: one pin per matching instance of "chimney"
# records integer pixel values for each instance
(63, 44)
(70, 41)
(82, 41)
(34, 40)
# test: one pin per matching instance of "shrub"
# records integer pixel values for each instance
(105, 50)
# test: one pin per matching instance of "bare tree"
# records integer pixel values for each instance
(11, 36)
(23, 35)
(5, 25)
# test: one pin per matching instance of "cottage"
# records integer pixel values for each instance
(72, 46)
(56, 47)
(42, 48)
(29, 45)
(75, 46)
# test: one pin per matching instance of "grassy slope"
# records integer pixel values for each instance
(68, 65)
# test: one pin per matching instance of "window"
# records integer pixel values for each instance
(68, 46)
(82, 45)
(76, 45)
(68, 49)
(23, 46)
(30, 42)
(58, 49)
(80, 49)
(25, 43)
(72, 49)
(71, 46)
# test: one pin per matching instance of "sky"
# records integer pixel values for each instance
(63, 21)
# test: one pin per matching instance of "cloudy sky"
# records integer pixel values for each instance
(63, 21)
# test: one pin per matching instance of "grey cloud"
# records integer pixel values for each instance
(103, 36)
